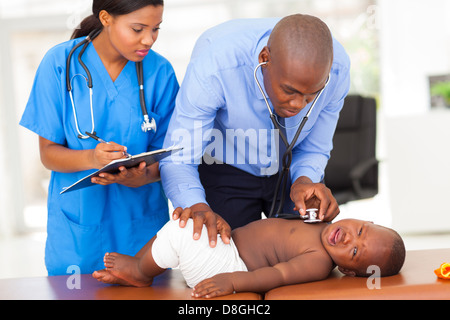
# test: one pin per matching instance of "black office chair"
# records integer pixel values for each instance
(352, 171)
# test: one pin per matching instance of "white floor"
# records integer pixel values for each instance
(23, 256)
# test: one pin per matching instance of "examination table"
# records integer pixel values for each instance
(416, 281)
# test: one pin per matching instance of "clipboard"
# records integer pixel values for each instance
(113, 167)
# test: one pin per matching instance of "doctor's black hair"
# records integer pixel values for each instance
(114, 8)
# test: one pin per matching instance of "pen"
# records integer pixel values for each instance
(94, 136)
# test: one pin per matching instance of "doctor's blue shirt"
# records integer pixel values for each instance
(220, 112)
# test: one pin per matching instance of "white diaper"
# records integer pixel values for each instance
(175, 247)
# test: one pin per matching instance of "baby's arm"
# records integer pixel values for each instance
(303, 268)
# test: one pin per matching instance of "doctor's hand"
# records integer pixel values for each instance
(132, 177)
(202, 214)
(306, 195)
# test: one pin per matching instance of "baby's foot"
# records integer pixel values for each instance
(107, 277)
(122, 269)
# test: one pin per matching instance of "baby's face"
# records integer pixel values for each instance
(354, 245)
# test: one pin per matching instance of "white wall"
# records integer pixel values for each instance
(414, 44)
(419, 172)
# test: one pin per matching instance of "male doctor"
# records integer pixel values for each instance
(221, 115)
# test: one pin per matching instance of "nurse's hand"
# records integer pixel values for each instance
(306, 195)
(104, 153)
(132, 177)
(202, 214)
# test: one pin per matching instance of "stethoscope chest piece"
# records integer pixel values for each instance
(311, 217)
(148, 125)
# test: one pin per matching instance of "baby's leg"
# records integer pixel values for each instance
(127, 270)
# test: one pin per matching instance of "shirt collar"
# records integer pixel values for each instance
(260, 45)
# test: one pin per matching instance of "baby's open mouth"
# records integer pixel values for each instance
(334, 236)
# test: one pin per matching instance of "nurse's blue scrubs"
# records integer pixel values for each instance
(84, 224)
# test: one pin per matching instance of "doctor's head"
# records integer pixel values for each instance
(130, 26)
(298, 57)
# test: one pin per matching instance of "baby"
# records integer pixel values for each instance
(262, 255)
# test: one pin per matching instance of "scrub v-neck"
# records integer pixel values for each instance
(112, 87)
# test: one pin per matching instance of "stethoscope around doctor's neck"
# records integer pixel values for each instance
(147, 125)
(287, 157)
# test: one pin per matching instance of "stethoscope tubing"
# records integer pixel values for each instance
(287, 156)
(140, 75)
(91, 36)
(147, 125)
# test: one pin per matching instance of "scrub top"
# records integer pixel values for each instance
(85, 224)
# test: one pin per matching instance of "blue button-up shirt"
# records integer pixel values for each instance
(220, 112)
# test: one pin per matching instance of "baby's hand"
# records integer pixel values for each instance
(219, 285)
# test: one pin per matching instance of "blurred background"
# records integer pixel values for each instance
(400, 54)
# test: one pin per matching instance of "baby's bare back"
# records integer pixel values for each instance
(268, 242)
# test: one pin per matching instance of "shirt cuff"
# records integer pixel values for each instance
(315, 176)
(187, 197)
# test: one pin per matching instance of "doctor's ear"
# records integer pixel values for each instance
(264, 56)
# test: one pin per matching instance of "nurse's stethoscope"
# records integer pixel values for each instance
(146, 126)
(287, 157)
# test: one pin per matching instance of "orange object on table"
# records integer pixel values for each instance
(443, 271)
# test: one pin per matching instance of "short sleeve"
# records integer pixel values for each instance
(43, 112)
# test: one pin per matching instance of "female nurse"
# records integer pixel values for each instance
(122, 211)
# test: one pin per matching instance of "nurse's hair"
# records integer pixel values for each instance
(114, 8)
